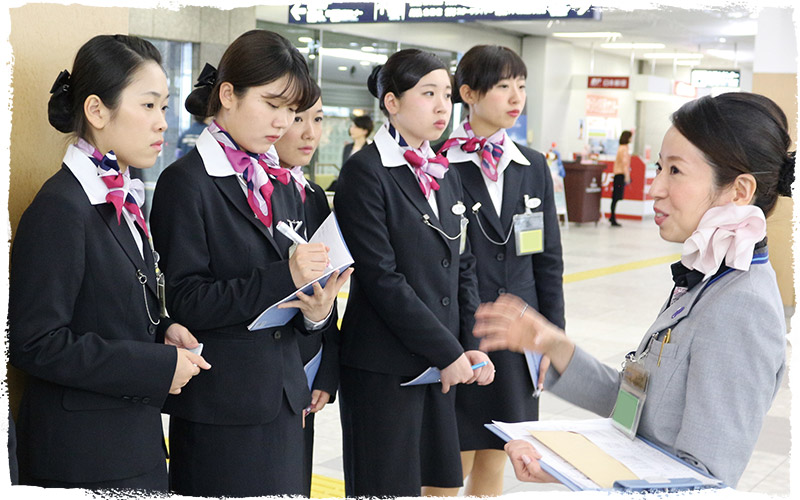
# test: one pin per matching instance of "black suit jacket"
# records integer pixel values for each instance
(315, 211)
(224, 268)
(536, 278)
(412, 296)
(79, 327)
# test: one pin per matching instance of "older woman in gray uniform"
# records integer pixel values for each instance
(716, 352)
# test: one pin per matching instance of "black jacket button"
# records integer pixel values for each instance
(277, 335)
(445, 263)
(151, 329)
(445, 301)
(501, 257)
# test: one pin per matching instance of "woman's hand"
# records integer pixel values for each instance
(187, 366)
(483, 375)
(179, 336)
(308, 262)
(319, 399)
(508, 323)
(525, 460)
(544, 365)
(457, 372)
(316, 307)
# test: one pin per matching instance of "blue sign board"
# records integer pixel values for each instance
(388, 12)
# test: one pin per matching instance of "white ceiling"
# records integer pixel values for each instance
(681, 30)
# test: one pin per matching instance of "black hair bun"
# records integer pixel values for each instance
(456, 96)
(372, 81)
(786, 175)
(197, 101)
(59, 107)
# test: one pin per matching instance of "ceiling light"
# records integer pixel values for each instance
(368, 48)
(687, 63)
(722, 39)
(365, 63)
(355, 55)
(672, 55)
(589, 34)
(312, 56)
(635, 45)
(305, 39)
(342, 68)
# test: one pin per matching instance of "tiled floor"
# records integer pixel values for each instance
(607, 316)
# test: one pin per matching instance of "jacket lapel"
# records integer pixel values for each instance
(125, 239)
(672, 314)
(512, 185)
(473, 183)
(232, 190)
(410, 188)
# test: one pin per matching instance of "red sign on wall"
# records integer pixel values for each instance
(608, 82)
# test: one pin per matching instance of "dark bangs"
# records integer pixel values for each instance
(485, 65)
(259, 57)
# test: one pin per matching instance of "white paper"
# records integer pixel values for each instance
(329, 234)
(642, 459)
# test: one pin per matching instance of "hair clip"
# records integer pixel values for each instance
(208, 77)
(61, 85)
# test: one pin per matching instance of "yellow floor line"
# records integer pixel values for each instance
(326, 487)
(603, 271)
(619, 268)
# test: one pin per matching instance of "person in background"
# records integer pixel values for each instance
(718, 176)
(238, 432)
(295, 149)
(85, 321)
(506, 181)
(360, 129)
(622, 173)
(413, 297)
(189, 137)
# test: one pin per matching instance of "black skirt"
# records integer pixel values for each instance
(507, 399)
(396, 439)
(238, 460)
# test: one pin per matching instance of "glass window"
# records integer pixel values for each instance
(177, 62)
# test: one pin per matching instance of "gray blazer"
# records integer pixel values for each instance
(718, 376)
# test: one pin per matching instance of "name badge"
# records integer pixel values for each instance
(630, 398)
(529, 233)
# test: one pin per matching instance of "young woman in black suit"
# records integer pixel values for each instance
(84, 315)
(413, 297)
(295, 149)
(502, 177)
(238, 431)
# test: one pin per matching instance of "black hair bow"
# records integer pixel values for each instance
(208, 77)
(61, 85)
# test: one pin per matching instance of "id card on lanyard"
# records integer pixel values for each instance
(529, 229)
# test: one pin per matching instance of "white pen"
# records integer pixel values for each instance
(290, 233)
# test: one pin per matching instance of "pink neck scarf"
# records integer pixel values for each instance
(123, 192)
(490, 148)
(728, 232)
(256, 171)
(427, 166)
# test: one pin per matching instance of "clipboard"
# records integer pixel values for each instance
(330, 234)
(576, 481)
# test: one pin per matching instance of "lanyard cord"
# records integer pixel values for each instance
(475, 209)
(427, 220)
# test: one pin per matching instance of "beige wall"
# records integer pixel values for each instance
(36, 148)
(781, 88)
